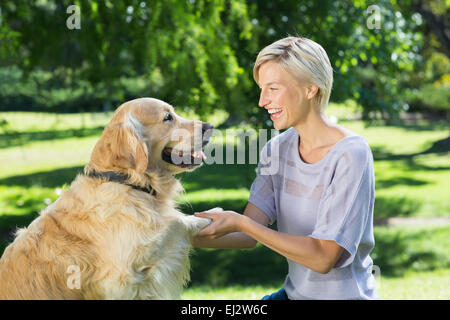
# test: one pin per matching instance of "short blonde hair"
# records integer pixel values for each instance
(305, 60)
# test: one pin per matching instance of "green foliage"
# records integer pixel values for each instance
(366, 60)
(187, 43)
(434, 85)
(436, 95)
(199, 54)
(64, 91)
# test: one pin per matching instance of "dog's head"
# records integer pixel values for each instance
(147, 135)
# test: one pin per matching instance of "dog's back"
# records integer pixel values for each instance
(43, 257)
(34, 265)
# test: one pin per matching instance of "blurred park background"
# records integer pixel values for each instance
(63, 70)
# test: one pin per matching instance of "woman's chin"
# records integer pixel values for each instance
(279, 125)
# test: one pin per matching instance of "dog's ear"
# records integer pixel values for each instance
(127, 148)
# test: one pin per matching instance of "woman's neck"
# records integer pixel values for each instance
(316, 131)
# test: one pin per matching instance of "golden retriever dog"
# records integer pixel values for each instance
(115, 233)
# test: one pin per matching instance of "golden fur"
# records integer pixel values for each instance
(122, 243)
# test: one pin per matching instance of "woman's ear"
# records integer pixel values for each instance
(311, 91)
(127, 149)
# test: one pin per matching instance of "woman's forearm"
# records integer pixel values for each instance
(229, 229)
(235, 240)
(303, 250)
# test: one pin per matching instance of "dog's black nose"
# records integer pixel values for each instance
(207, 132)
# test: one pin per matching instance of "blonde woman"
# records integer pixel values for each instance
(322, 194)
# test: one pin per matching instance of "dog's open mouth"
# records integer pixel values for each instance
(183, 159)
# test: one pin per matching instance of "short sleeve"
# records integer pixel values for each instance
(262, 191)
(346, 206)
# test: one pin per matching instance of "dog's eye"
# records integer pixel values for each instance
(167, 117)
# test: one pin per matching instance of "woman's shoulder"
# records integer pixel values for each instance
(353, 149)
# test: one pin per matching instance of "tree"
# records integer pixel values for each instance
(186, 42)
(430, 85)
(436, 15)
(200, 53)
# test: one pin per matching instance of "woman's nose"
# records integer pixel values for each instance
(263, 100)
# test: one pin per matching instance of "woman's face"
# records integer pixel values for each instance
(281, 95)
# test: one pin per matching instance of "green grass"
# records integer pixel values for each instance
(412, 286)
(40, 153)
(399, 250)
(417, 286)
(234, 292)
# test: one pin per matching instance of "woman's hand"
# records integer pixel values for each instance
(222, 223)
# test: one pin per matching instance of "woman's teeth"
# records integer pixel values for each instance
(273, 110)
(275, 113)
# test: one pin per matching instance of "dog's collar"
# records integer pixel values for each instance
(119, 178)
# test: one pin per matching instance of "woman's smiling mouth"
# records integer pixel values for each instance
(275, 113)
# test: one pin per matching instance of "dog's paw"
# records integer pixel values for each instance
(196, 224)
(203, 222)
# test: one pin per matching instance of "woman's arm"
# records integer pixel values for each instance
(315, 254)
(235, 240)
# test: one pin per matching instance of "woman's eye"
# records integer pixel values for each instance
(273, 89)
(167, 117)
